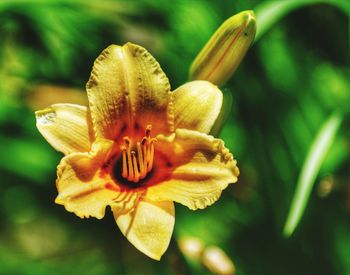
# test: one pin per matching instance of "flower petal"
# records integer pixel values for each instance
(82, 186)
(127, 86)
(199, 168)
(197, 105)
(67, 127)
(149, 226)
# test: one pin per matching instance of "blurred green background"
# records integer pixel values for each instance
(288, 127)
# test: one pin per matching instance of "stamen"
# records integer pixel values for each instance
(144, 149)
(148, 152)
(125, 168)
(151, 155)
(136, 165)
(130, 168)
(141, 162)
(136, 171)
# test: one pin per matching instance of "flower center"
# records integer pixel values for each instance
(137, 161)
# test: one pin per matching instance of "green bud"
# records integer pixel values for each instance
(224, 51)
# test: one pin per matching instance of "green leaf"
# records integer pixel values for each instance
(269, 13)
(312, 164)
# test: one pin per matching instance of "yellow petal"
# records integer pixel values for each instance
(67, 127)
(127, 86)
(82, 186)
(199, 168)
(197, 105)
(148, 227)
(222, 54)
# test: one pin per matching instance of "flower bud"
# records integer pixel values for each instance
(222, 54)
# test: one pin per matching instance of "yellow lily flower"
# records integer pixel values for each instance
(138, 147)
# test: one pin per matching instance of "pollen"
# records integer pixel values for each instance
(137, 161)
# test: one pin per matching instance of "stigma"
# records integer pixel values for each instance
(137, 161)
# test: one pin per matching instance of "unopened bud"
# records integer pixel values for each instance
(224, 51)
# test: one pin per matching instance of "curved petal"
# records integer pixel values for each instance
(197, 105)
(127, 86)
(149, 226)
(82, 187)
(199, 168)
(67, 127)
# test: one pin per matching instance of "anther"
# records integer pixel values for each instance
(148, 130)
(126, 140)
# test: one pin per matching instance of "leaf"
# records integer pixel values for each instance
(312, 164)
(270, 12)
